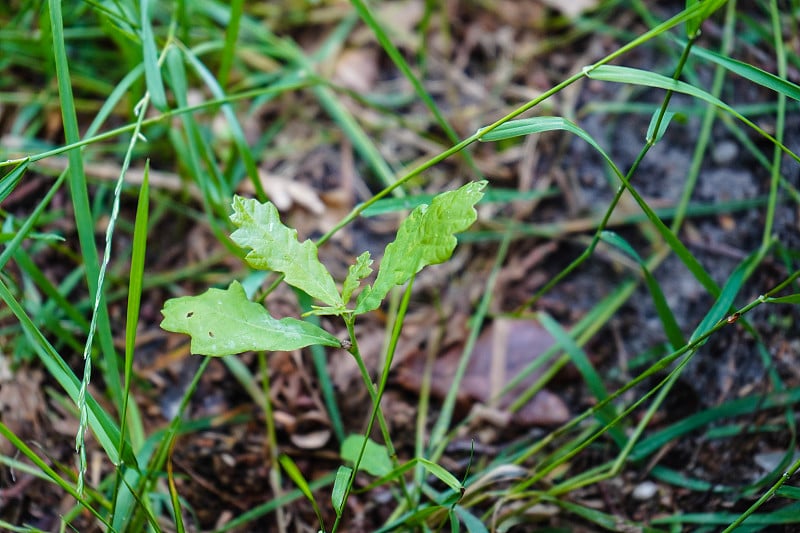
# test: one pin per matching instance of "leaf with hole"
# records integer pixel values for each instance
(224, 322)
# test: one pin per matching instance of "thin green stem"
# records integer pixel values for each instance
(708, 121)
(780, 123)
(555, 280)
(376, 411)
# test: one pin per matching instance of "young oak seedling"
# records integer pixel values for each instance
(222, 322)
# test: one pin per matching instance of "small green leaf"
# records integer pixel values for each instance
(275, 247)
(360, 270)
(225, 322)
(340, 488)
(443, 474)
(376, 459)
(655, 136)
(426, 237)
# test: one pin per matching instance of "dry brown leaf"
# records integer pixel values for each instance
(22, 403)
(284, 192)
(573, 8)
(312, 431)
(502, 351)
(357, 69)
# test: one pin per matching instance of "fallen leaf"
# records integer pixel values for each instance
(285, 193)
(573, 8)
(502, 351)
(357, 69)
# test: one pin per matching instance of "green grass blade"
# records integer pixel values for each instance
(177, 509)
(52, 474)
(105, 430)
(490, 196)
(707, 8)
(668, 321)
(339, 491)
(590, 376)
(751, 73)
(10, 181)
(618, 74)
(662, 122)
(780, 125)
(443, 474)
(528, 126)
(231, 38)
(320, 360)
(724, 301)
(730, 409)
(790, 299)
(233, 122)
(136, 276)
(14, 244)
(152, 70)
(397, 58)
(295, 475)
(85, 227)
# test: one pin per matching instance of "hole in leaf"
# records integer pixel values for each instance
(210, 334)
(190, 314)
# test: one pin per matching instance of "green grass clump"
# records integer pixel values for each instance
(185, 102)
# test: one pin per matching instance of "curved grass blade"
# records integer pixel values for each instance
(295, 475)
(665, 314)
(152, 71)
(619, 74)
(528, 126)
(751, 73)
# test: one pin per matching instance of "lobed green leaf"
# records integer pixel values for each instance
(275, 247)
(224, 322)
(426, 237)
(358, 271)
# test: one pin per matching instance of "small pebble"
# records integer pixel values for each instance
(645, 491)
(724, 152)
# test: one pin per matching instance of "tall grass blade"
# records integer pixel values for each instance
(152, 70)
(618, 74)
(295, 475)
(751, 73)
